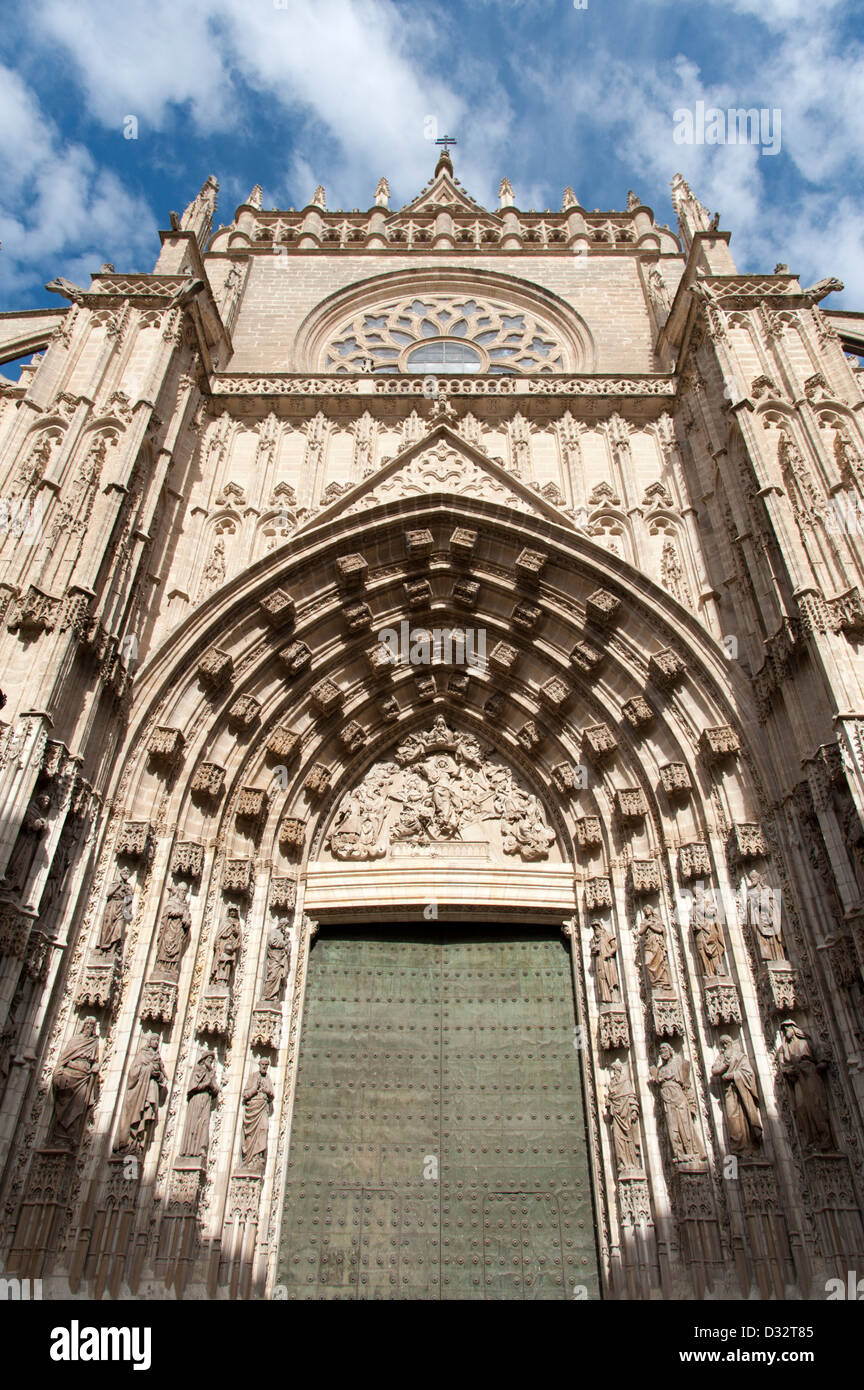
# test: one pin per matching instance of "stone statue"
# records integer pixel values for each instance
(176, 921)
(622, 1111)
(709, 936)
(117, 913)
(257, 1104)
(804, 1074)
(319, 198)
(141, 1104)
(226, 948)
(506, 197)
(382, 193)
(277, 965)
(202, 1091)
(604, 949)
(763, 914)
(741, 1096)
(74, 1083)
(652, 934)
(33, 827)
(672, 1077)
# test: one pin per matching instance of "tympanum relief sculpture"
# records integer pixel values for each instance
(441, 787)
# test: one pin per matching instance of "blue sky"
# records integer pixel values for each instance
(292, 93)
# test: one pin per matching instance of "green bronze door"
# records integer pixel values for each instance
(438, 1147)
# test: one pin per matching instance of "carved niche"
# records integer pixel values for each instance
(442, 788)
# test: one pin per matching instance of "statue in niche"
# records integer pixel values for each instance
(672, 1078)
(257, 1105)
(117, 913)
(33, 827)
(226, 948)
(143, 1093)
(652, 934)
(203, 1090)
(709, 936)
(763, 914)
(176, 921)
(277, 964)
(74, 1085)
(604, 949)
(56, 879)
(214, 571)
(622, 1111)
(741, 1096)
(804, 1074)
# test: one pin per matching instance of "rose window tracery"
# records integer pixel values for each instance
(438, 334)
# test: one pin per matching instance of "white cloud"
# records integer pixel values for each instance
(55, 200)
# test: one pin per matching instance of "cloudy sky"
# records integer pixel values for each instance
(292, 93)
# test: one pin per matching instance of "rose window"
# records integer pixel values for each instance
(446, 335)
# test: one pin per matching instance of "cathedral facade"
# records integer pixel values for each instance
(432, 764)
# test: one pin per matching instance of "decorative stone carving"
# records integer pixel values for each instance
(418, 592)
(257, 1106)
(718, 743)
(74, 1084)
(748, 841)
(351, 570)
(292, 832)
(466, 593)
(671, 1076)
(721, 1002)
(283, 742)
(237, 876)
(318, 780)
(252, 804)
(283, 893)
(612, 1030)
(530, 565)
(503, 658)
(529, 736)
(278, 608)
(266, 1030)
(764, 918)
(202, 1092)
(441, 787)
(167, 745)
(117, 914)
(804, 1073)
(419, 544)
(694, 861)
(634, 1201)
(144, 1086)
(598, 893)
(358, 616)
(277, 964)
(463, 543)
(327, 697)
(353, 735)
(244, 712)
(188, 860)
(631, 804)
(216, 669)
(588, 832)
(36, 612)
(97, 982)
(604, 952)
(638, 712)
(599, 741)
(425, 687)
(783, 984)
(651, 933)
(295, 659)
(666, 1014)
(586, 658)
(675, 779)
(389, 707)
(526, 617)
(208, 779)
(381, 660)
(134, 839)
(564, 777)
(458, 685)
(622, 1112)
(602, 608)
(666, 668)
